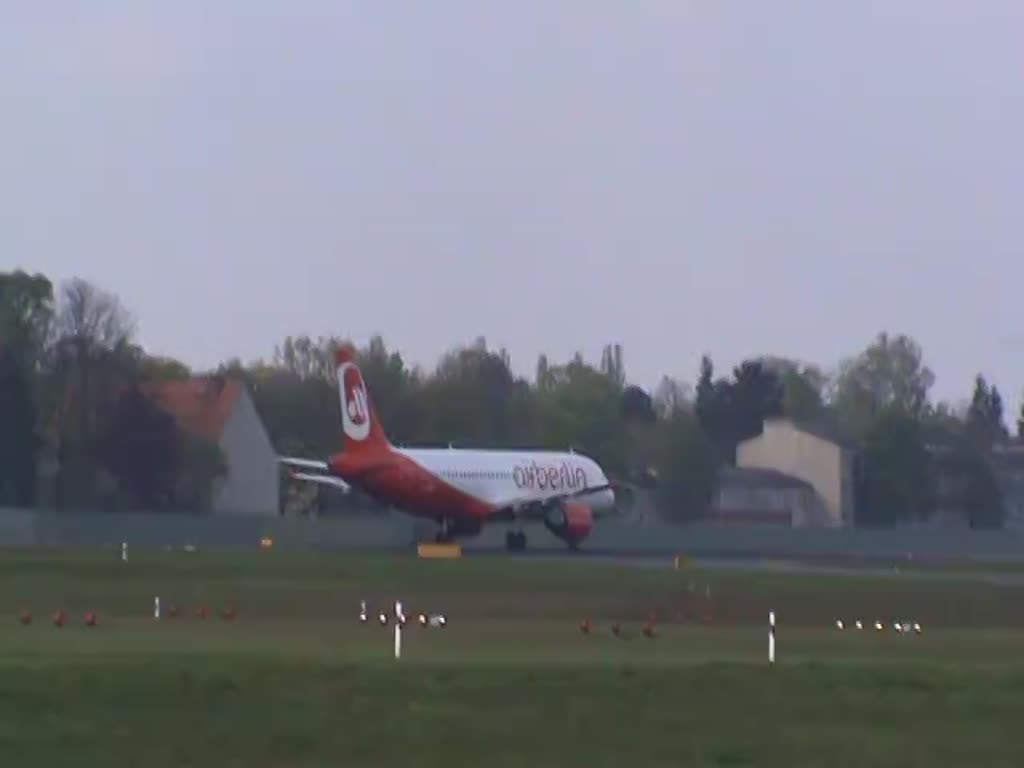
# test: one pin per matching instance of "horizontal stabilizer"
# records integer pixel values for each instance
(292, 461)
(335, 482)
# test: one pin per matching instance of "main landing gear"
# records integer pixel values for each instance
(515, 541)
(444, 533)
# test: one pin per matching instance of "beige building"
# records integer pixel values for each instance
(763, 497)
(822, 460)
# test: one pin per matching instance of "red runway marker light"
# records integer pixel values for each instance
(617, 630)
(229, 614)
(203, 612)
(25, 618)
(90, 619)
(649, 629)
(60, 618)
(585, 626)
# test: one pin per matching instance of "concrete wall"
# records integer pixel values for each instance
(251, 486)
(21, 528)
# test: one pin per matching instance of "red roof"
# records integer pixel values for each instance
(200, 405)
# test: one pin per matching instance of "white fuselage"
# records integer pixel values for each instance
(513, 477)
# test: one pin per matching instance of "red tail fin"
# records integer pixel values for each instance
(359, 422)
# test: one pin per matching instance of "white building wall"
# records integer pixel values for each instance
(252, 484)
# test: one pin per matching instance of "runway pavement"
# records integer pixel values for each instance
(975, 572)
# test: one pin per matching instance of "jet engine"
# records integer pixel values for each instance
(571, 521)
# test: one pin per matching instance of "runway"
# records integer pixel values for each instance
(969, 571)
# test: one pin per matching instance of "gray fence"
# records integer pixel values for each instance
(390, 531)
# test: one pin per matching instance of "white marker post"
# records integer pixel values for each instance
(771, 637)
(399, 620)
(124, 551)
(156, 607)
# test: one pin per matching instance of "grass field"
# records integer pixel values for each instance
(295, 680)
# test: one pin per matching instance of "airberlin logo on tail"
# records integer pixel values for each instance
(550, 478)
(355, 404)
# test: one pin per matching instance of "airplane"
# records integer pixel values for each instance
(460, 489)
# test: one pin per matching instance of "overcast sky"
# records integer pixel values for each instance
(738, 177)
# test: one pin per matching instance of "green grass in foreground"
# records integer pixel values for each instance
(216, 711)
(296, 681)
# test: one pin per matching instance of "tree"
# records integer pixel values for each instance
(1020, 421)
(686, 468)
(469, 398)
(803, 388)
(715, 411)
(732, 411)
(308, 359)
(581, 410)
(26, 312)
(985, 413)
(890, 372)
(141, 448)
(978, 493)
(671, 396)
(636, 406)
(18, 441)
(612, 365)
(897, 483)
(163, 368)
(202, 463)
(90, 360)
(756, 396)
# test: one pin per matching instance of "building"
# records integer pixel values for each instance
(1007, 463)
(815, 455)
(764, 497)
(222, 411)
(1009, 470)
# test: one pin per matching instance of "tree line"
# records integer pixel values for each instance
(73, 397)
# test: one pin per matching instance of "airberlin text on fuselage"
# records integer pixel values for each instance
(550, 478)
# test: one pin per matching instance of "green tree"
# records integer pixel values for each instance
(141, 448)
(803, 388)
(26, 315)
(18, 440)
(1020, 421)
(898, 480)
(394, 389)
(714, 410)
(26, 312)
(985, 414)
(979, 494)
(163, 368)
(581, 411)
(670, 396)
(889, 372)
(202, 466)
(686, 467)
(612, 365)
(730, 411)
(91, 359)
(756, 395)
